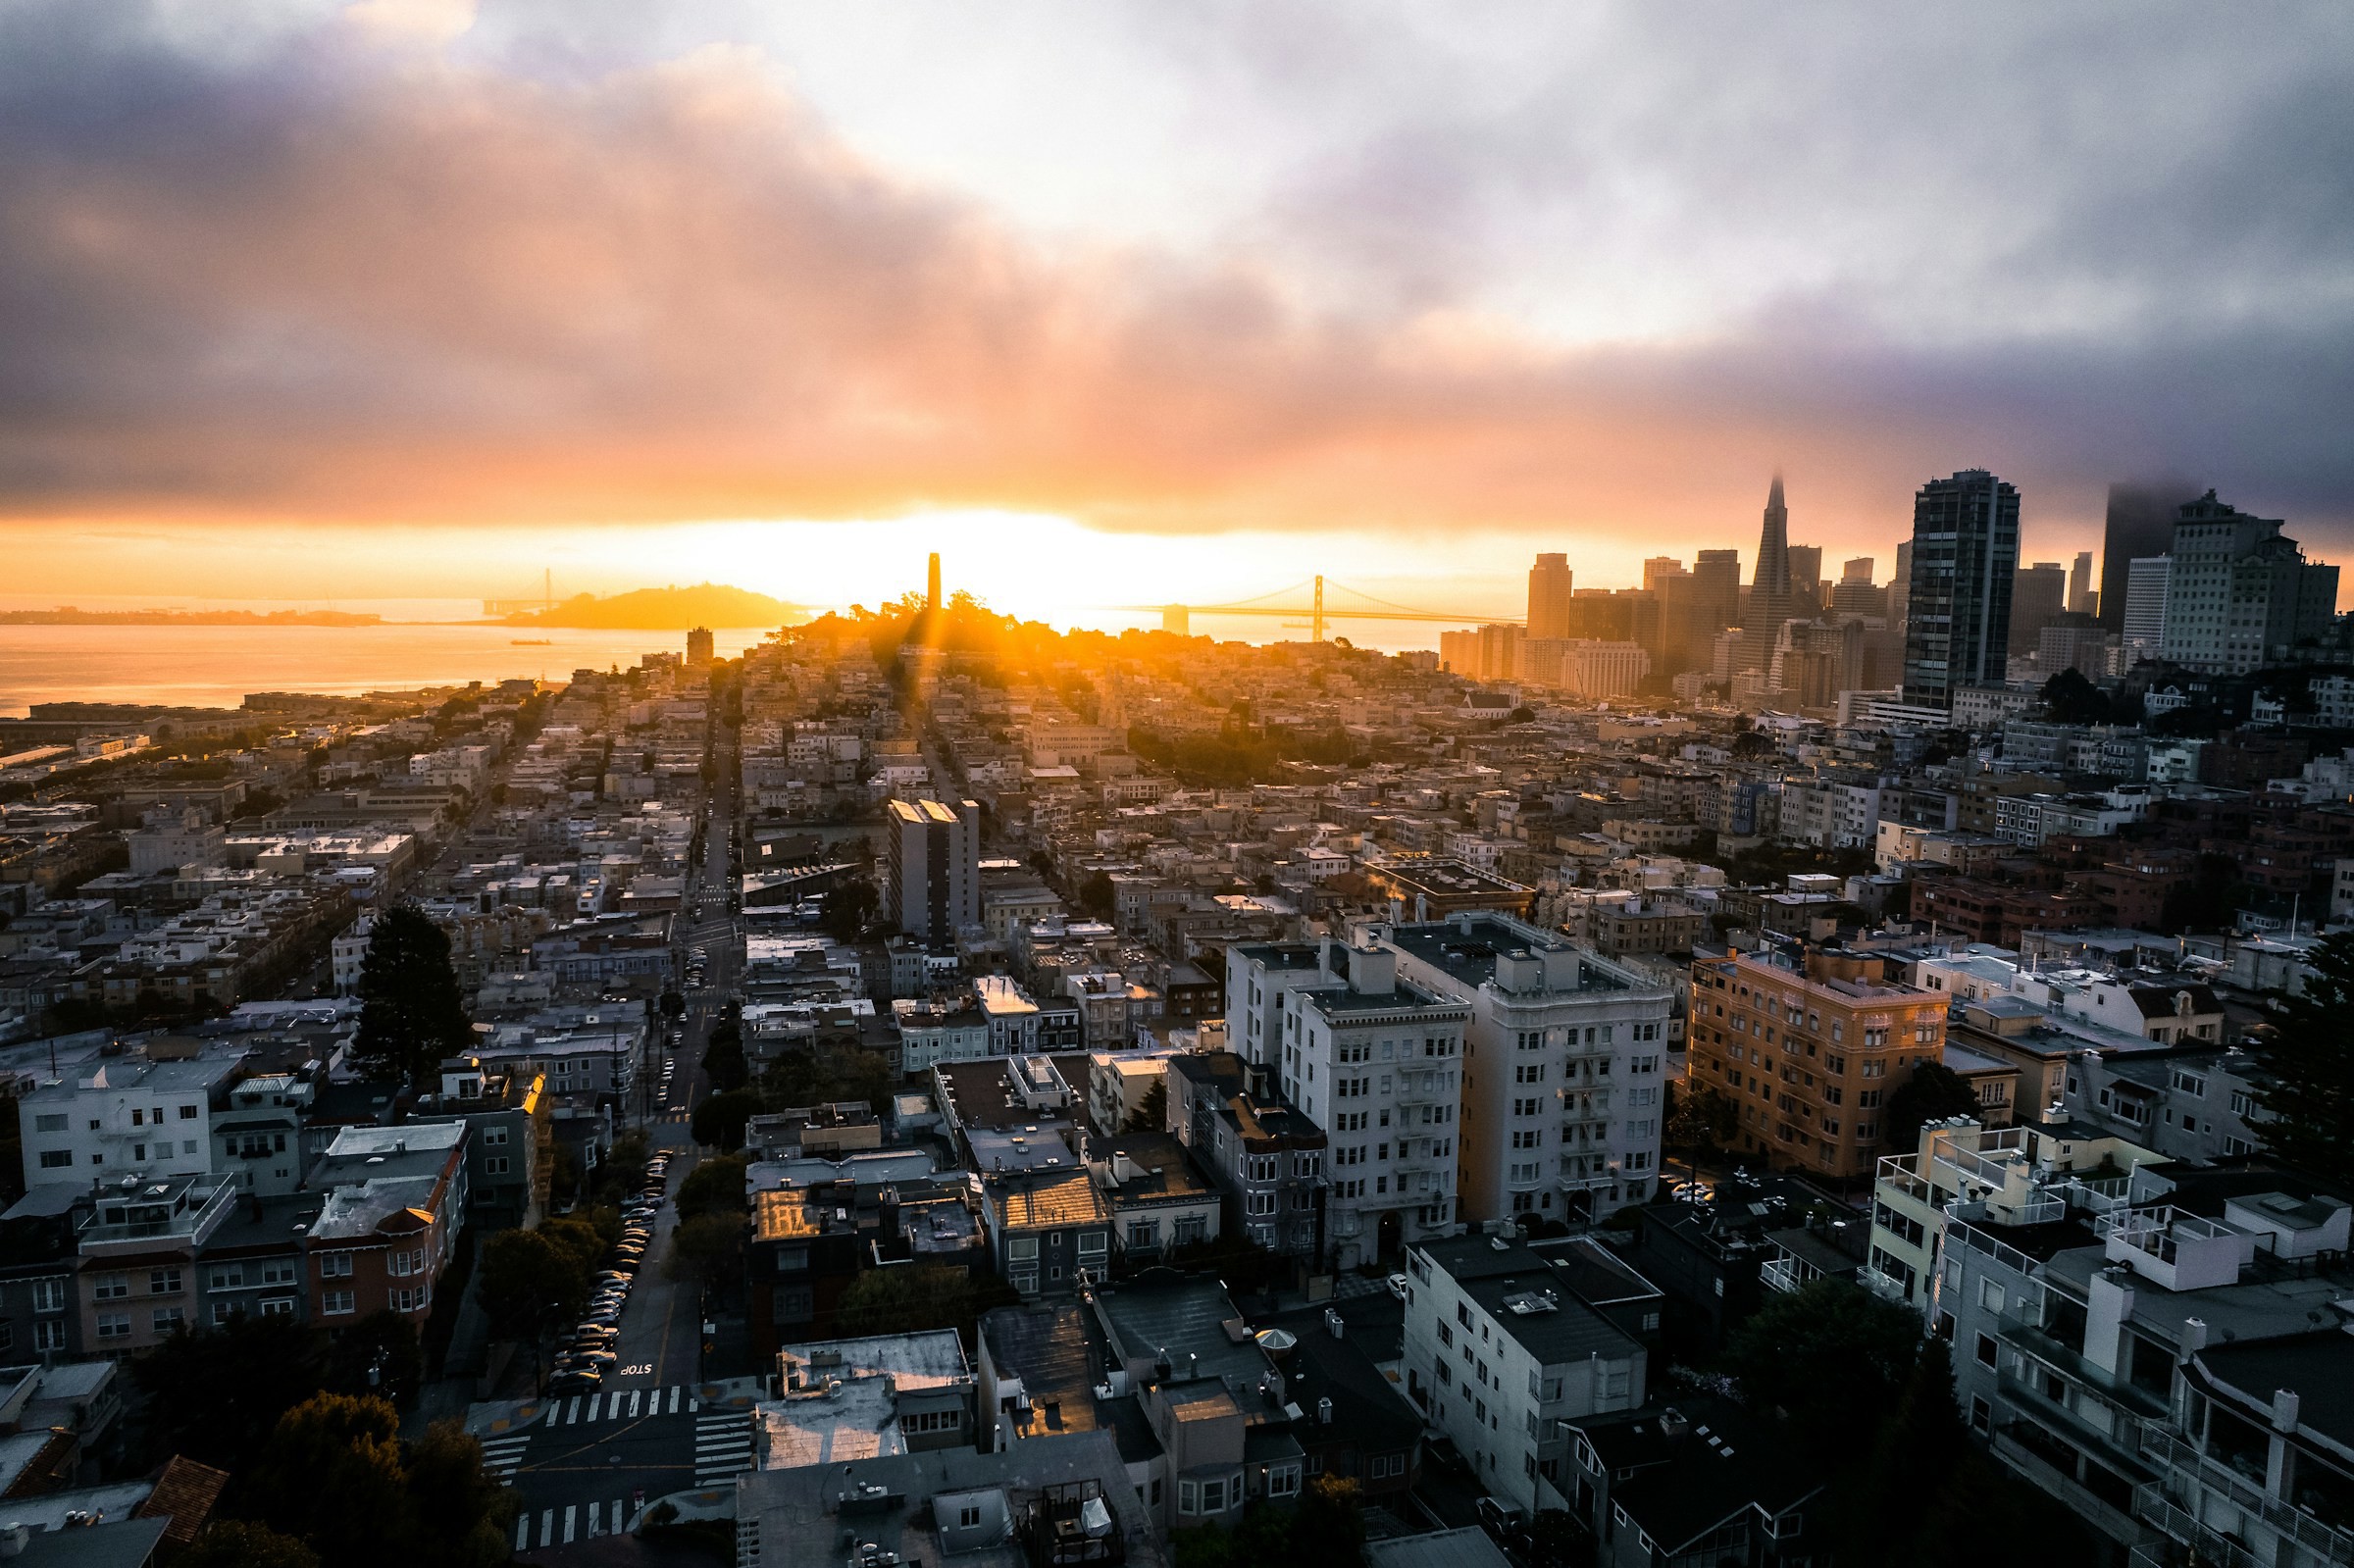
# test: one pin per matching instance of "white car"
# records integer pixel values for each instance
(1397, 1285)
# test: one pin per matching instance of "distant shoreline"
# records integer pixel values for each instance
(336, 619)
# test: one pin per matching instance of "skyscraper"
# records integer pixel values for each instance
(2145, 605)
(1549, 597)
(1858, 569)
(2079, 585)
(1657, 568)
(1958, 614)
(2038, 596)
(1900, 588)
(935, 867)
(699, 648)
(1806, 577)
(2140, 524)
(1769, 592)
(2240, 593)
(1716, 591)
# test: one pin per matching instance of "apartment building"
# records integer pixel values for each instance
(1263, 1155)
(396, 1197)
(2168, 1361)
(1563, 1068)
(1375, 1061)
(139, 1249)
(2012, 1176)
(1500, 1356)
(935, 867)
(139, 1116)
(1810, 1054)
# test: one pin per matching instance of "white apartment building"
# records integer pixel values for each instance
(1499, 1355)
(1596, 669)
(2239, 592)
(1562, 1065)
(349, 954)
(1376, 1062)
(116, 1116)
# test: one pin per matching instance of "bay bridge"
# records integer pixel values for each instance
(1313, 615)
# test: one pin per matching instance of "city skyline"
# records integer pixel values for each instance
(429, 318)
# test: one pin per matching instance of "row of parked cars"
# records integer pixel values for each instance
(588, 1353)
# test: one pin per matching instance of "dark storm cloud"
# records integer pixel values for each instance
(321, 278)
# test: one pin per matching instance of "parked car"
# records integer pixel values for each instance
(1397, 1285)
(582, 1380)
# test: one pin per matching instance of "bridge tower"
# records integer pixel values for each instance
(1317, 620)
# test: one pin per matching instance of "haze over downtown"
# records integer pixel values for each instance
(414, 298)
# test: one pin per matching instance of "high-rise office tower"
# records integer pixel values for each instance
(2079, 585)
(1806, 577)
(2140, 524)
(1549, 597)
(699, 648)
(1900, 587)
(1856, 569)
(1770, 589)
(1958, 613)
(1657, 568)
(935, 867)
(1716, 591)
(2038, 597)
(2240, 593)
(2145, 605)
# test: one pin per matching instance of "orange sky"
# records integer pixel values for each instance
(402, 307)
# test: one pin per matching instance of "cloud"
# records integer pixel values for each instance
(343, 279)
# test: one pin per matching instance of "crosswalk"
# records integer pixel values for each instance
(561, 1526)
(619, 1404)
(723, 1445)
(501, 1454)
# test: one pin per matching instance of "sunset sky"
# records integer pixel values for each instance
(1148, 300)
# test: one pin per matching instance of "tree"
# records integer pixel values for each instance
(713, 1186)
(2069, 698)
(1095, 897)
(1700, 1117)
(1152, 1113)
(217, 1394)
(244, 1543)
(377, 1355)
(1933, 1092)
(2307, 1057)
(908, 1297)
(527, 1277)
(707, 1246)
(1829, 1354)
(463, 1513)
(723, 1058)
(331, 1474)
(411, 1015)
(846, 912)
(1329, 1529)
(719, 1121)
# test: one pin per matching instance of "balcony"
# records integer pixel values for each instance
(1780, 1274)
(1887, 1286)
(2180, 1250)
(2042, 1209)
(1897, 1177)
(2168, 1453)
(2153, 1507)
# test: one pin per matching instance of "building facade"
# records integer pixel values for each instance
(1957, 607)
(935, 867)
(1563, 1054)
(2239, 593)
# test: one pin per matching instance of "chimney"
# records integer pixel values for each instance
(2194, 1335)
(2284, 1409)
(1324, 1411)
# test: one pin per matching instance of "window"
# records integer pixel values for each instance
(167, 1319)
(52, 1122)
(494, 1136)
(408, 1301)
(187, 1113)
(1985, 1350)
(114, 1325)
(495, 1165)
(49, 1334)
(228, 1276)
(56, 1159)
(1188, 1497)
(1283, 1481)
(163, 1282)
(48, 1295)
(112, 1286)
(335, 1265)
